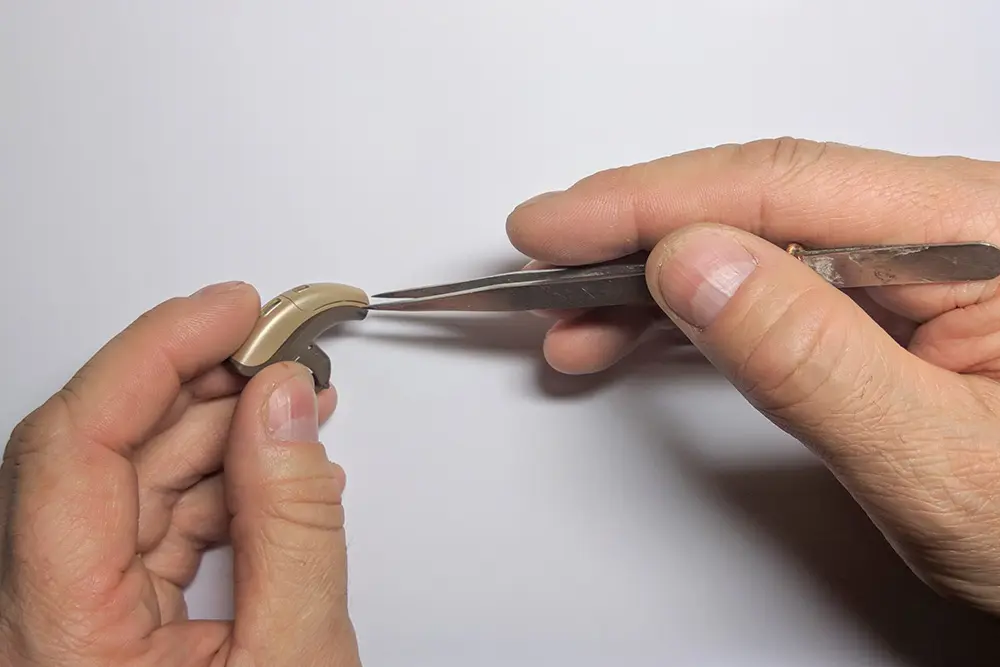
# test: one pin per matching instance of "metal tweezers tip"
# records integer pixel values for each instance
(388, 305)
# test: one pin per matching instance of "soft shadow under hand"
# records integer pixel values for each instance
(515, 333)
(809, 515)
(802, 508)
(663, 354)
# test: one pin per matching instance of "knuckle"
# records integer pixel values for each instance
(795, 359)
(779, 165)
(783, 156)
(50, 421)
(311, 504)
(783, 162)
(973, 209)
(812, 371)
(778, 352)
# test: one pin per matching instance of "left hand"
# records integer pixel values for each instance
(112, 490)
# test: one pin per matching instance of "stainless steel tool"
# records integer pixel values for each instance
(290, 323)
(623, 282)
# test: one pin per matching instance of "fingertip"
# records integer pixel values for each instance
(217, 382)
(595, 341)
(233, 291)
(566, 228)
(176, 341)
(338, 476)
(693, 272)
(563, 353)
(520, 228)
(260, 386)
(536, 199)
(526, 212)
(286, 500)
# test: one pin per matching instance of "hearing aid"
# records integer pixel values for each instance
(289, 324)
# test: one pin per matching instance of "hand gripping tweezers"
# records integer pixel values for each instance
(290, 323)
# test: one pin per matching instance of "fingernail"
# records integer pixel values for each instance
(218, 288)
(292, 413)
(698, 278)
(536, 199)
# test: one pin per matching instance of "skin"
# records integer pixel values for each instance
(895, 389)
(153, 452)
(111, 491)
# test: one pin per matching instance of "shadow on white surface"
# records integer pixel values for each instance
(799, 507)
(804, 511)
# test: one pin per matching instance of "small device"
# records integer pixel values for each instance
(290, 323)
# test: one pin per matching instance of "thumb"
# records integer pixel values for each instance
(287, 534)
(801, 351)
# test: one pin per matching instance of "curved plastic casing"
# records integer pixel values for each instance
(290, 323)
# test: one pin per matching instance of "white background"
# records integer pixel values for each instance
(498, 514)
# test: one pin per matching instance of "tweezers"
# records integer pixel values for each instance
(290, 323)
(623, 282)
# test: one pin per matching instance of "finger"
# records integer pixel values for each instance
(802, 352)
(785, 190)
(900, 328)
(199, 520)
(170, 600)
(184, 454)
(189, 644)
(287, 533)
(964, 341)
(217, 382)
(597, 340)
(922, 303)
(72, 527)
(139, 373)
(913, 443)
(593, 341)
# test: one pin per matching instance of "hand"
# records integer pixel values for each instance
(895, 389)
(153, 452)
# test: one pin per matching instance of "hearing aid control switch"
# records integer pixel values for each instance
(270, 306)
(289, 324)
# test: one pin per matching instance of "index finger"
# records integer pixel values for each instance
(71, 520)
(784, 190)
(121, 394)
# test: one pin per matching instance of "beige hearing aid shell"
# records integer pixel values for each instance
(290, 323)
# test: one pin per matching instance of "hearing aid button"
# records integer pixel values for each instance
(270, 306)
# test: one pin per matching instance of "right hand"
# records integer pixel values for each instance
(896, 389)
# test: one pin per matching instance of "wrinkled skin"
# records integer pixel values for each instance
(153, 452)
(895, 389)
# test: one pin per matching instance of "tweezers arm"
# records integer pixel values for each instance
(911, 264)
(596, 286)
(623, 283)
